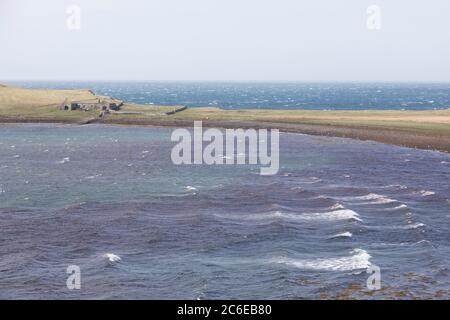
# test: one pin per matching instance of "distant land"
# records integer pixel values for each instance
(425, 129)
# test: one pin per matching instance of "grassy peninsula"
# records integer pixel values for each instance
(428, 129)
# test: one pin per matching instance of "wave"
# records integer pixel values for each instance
(342, 235)
(64, 160)
(396, 186)
(337, 206)
(401, 206)
(415, 225)
(111, 257)
(93, 177)
(371, 198)
(425, 193)
(343, 214)
(409, 226)
(190, 188)
(358, 259)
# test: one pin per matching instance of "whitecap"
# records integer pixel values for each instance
(396, 186)
(93, 177)
(373, 198)
(337, 206)
(342, 235)
(111, 257)
(343, 214)
(64, 160)
(425, 193)
(415, 225)
(401, 206)
(358, 259)
(190, 188)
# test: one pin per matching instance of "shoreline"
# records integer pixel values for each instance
(410, 139)
(423, 129)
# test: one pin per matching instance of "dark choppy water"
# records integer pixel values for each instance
(334, 96)
(72, 194)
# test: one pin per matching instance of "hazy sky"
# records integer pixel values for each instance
(314, 40)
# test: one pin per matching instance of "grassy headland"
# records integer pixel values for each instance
(428, 129)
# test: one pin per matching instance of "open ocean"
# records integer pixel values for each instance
(109, 199)
(228, 95)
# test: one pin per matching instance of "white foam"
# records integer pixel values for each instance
(415, 225)
(397, 186)
(425, 193)
(342, 235)
(190, 188)
(400, 206)
(371, 198)
(358, 259)
(67, 159)
(337, 206)
(93, 177)
(343, 214)
(111, 257)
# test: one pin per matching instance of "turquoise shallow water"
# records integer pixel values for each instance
(73, 194)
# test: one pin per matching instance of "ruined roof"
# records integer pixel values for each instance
(98, 100)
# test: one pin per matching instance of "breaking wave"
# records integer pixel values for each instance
(425, 193)
(342, 235)
(371, 198)
(343, 214)
(358, 259)
(111, 257)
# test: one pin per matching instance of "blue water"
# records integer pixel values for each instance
(71, 195)
(319, 96)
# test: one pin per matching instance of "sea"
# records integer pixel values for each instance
(341, 219)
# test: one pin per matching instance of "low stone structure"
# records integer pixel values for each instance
(101, 103)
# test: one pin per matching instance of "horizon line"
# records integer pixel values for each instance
(230, 81)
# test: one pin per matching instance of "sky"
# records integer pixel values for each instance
(225, 40)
